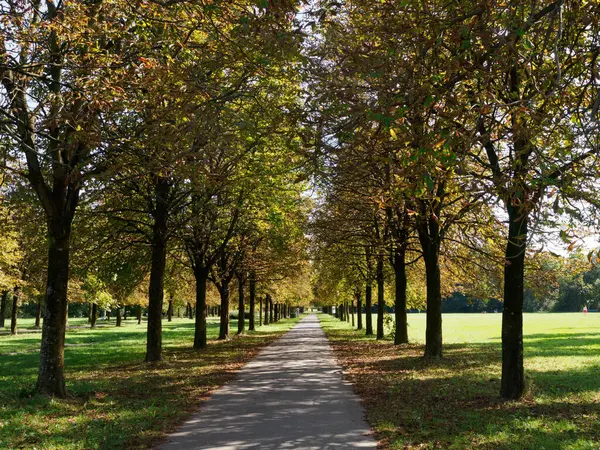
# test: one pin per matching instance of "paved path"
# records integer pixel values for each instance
(291, 396)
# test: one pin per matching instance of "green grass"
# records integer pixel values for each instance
(116, 401)
(454, 403)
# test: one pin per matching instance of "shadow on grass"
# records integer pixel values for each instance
(454, 402)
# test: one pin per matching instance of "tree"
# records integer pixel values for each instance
(10, 258)
(535, 113)
(58, 70)
(96, 295)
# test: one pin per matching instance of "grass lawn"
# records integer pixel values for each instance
(455, 404)
(116, 401)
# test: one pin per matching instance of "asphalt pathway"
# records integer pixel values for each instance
(291, 396)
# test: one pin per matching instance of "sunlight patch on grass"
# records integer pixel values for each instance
(454, 403)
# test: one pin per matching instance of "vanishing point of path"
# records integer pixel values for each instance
(291, 396)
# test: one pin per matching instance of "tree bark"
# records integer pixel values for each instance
(401, 334)
(380, 297)
(260, 312)
(139, 314)
(15, 310)
(201, 276)
(270, 309)
(157, 271)
(170, 310)
(94, 315)
(266, 321)
(359, 324)
(38, 313)
(430, 244)
(118, 316)
(3, 302)
(241, 306)
(51, 380)
(91, 306)
(252, 300)
(368, 307)
(224, 323)
(513, 379)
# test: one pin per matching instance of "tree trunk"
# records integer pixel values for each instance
(157, 271)
(170, 310)
(241, 306)
(51, 379)
(224, 324)
(38, 313)
(252, 300)
(359, 324)
(431, 247)
(266, 321)
(94, 315)
(201, 276)
(352, 312)
(270, 309)
(118, 316)
(3, 302)
(139, 314)
(260, 309)
(15, 310)
(91, 306)
(401, 335)
(380, 297)
(368, 307)
(513, 380)
(125, 313)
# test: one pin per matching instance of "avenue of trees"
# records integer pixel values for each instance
(149, 147)
(175, 154)
(455, 141)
